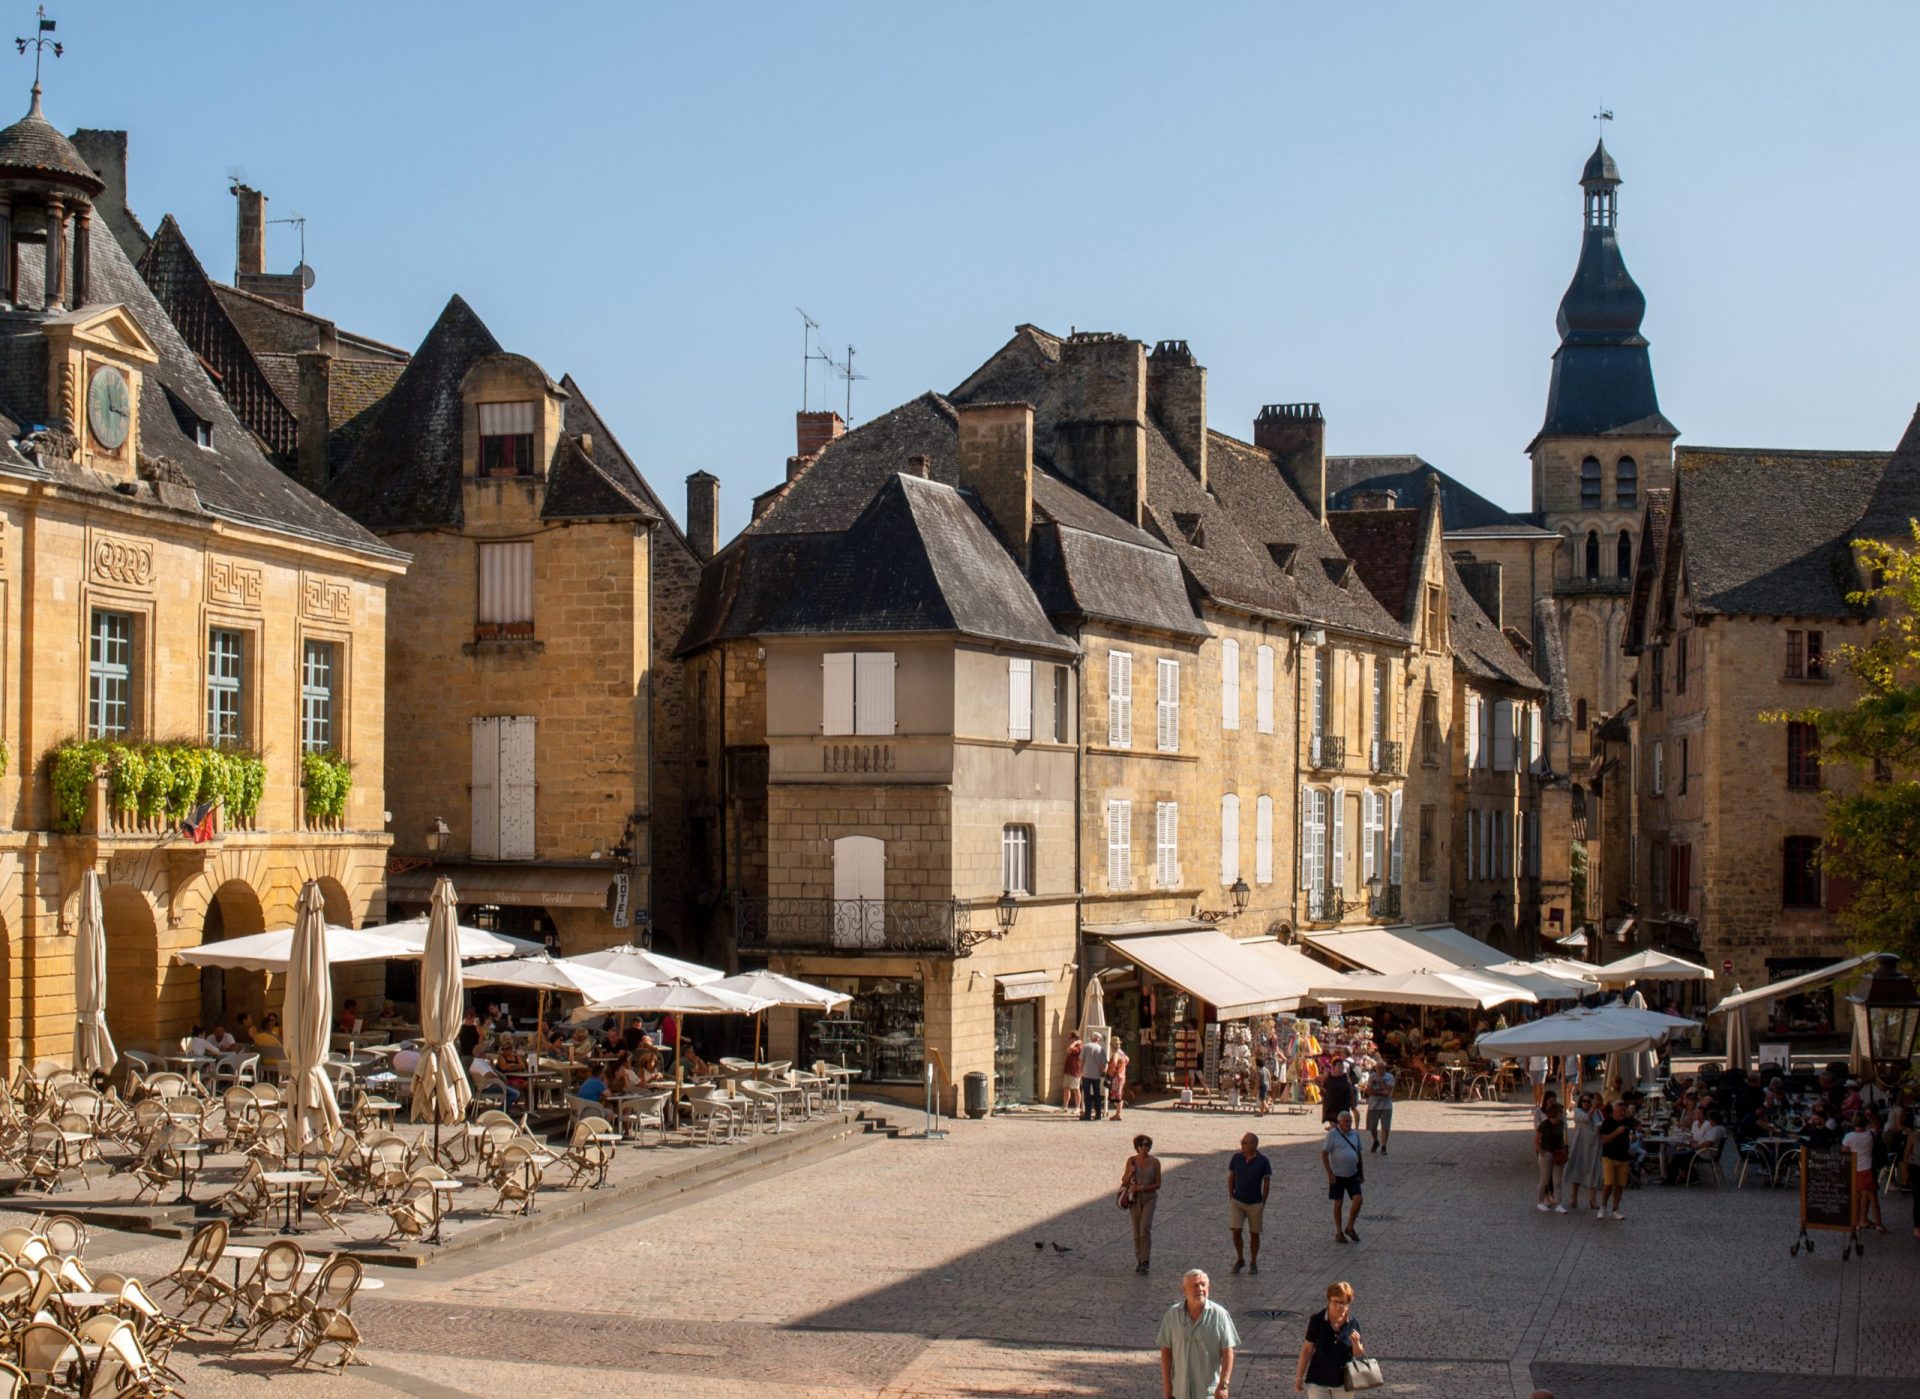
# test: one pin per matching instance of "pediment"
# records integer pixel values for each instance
(109, 330)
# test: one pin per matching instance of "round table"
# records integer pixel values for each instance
(441, 1189)
(610, 1140)
(290, 1182)
(187, 1149)
(239, 1253)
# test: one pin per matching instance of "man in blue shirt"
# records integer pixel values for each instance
(1249, 1174)
(1197, 1342)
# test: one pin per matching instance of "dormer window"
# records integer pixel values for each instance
(506, 439)
(203, 435)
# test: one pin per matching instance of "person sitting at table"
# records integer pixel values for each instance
(389, 1014)
(622, 1078)
(467, 1040)
(647, 1069)
(594, 1089)
(507, 1058)
(696, 1066)
(1852, 1104)
(350, 1021)
(1704, 1138)
(201, 1045)
(481, 1071)
(268, 1035)
(243, 1027)
(405, 1061)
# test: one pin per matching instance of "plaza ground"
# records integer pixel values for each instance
(909, 1268)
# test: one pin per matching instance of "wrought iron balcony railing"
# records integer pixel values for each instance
(844, 927)
(1329, 752)
(1384, 904)
(1325, 905)
(1385, 757)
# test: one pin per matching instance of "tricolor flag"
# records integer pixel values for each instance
(198, 823)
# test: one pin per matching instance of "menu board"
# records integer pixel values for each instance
(1826, 1188)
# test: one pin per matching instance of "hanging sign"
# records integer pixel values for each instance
(620, 899)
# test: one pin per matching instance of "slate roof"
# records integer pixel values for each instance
(1462, 509)
(581, 418)
(1764, 533)
(1481, 649)
(1385, 548)
(34, 146)
(1649, 563)
(833, 489)
(1551, 660)
(1600, 168)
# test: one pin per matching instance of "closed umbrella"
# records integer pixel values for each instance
(441, 1091)
(93, 1051)
(1739, 1038)
(309, 1022)
(1093, 1007)
(1645, 1063)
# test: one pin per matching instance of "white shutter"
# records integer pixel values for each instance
(1019, 698)
(1229, 684)
(1119, 699)
(1393, 876)
(1486, 844)
(1473, 818)
(1503, 736)
(1659, 769)
(1306, 838)
(505, 583)
(1263, 689)
(1319, 692)
(1119, 845)
(873, 692)
(1263, 840)
(860, 873)
(1166, 840)
(1338, 876)
(1229, 840)
(836, 693)
(1535, 739)
(1369, 825)
(1167, 715)
(1486, 734)
(486, 789)
(1473, 731)
(517, 787)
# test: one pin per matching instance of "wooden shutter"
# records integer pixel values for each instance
(1369, 827)
(1394, 872)
(517, 787)
(1119, 844)
(1473, 731)
(1229, 839)
(1019, 698)
(1307, 841)
(1167, 710)
(1263, 840)
(1503, 745)
(1166, 840)
(1473, 819)
(873, 692)
(486, 789)
(860, 879)
(836, 689)
(1229, 684)
(1338, 874)
(1263, 698)
(1119, 699)
(1535, 739)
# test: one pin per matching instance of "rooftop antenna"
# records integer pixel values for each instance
(846, 372)
(299, 221)
(41, 43)
(807, 356)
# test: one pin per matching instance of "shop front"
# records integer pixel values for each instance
(1807, 1012)
(881, 1033)
(1019, 1000)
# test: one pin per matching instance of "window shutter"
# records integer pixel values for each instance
(1166, 834)
(1473, 731)
(517, 787)
(1369, 825)
(1503, 745)
(1659, 769)
(1338, 799)
(1119, 845)
(1167, 715)
(486, 789)
(1019, 698)
(1307, 838)
(1319, 692)
(1380, 692)
(1535, 739)
(1229, 839)
(836, 691)
(1394, 873)
(873, 692)
(1263, 699)
(1119, 699)
(1263, 841)
(1473, 818)
(1229, 684)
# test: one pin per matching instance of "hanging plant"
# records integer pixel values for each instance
(160, 783)
(328, 778)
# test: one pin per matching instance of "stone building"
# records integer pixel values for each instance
(526, 685)
(173, 598)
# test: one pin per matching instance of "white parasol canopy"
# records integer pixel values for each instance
(1582, 1030)
(643, 964)
(1464, 989)
(782, 990)
(309, 1021)
(1547, 983)
(1570, 967)
(1651, 966)
(474, 942)
(541, 972)
(406, 941)
(673, 998)
(93, 1051)
(441, 1090)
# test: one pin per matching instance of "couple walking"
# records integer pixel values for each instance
(1092, 1073)
(1198, 1344)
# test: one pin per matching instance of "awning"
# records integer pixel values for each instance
(1228, 975)
(1024, 986)
(550, 886)
(1465, 951)
(1793, 985)
(1390, 951)
(1296, 965)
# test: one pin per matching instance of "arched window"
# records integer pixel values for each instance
(1593, 553)
(1623, 556)
(1590, 484)
(1626, 484)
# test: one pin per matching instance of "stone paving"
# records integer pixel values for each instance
(908, 1268)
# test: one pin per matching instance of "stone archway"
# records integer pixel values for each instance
(133, 966)
(339, 903)
(234, 911)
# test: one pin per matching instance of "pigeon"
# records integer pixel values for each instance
(1038, 1244)
(1061, 1248)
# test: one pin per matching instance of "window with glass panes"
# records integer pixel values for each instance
(110, 675)
(317, 676)
(226, 679)
(1016, 859)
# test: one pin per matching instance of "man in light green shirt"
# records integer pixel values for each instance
(1196, 1342)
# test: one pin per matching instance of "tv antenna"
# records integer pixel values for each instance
(40, 43)
(304, 272)
(808, 355)
(846, 372)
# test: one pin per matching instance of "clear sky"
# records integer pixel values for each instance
(1372, 206)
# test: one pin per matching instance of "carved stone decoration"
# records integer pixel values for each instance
(127, 562)
(234, 583)
(326, 599)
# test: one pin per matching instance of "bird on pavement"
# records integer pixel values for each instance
(1038, 1244)
(1061, 1248)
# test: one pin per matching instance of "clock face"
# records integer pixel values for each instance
(109, 407)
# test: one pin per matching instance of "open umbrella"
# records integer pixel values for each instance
(1583, 1030)
(474, 942)
(309, 1021)
(644, 964)
(1651, 966)
(543, 973)
(781, 991)
(1547, 983)
(678, 1000)
(1464, 989)
(440, 1087)
(273, 951)
(93, 1051)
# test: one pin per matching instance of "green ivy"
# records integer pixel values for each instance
(328, 778)
(6, 757)
(157, 782)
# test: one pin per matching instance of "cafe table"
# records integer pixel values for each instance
(842, 1079)
(441, 1189)
(186, 1149)
(290, 1182)
(611, 1141)
(239, 1253)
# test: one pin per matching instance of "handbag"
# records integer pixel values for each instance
(1364, 1374)
(1560, 1157)
(1126, 1196)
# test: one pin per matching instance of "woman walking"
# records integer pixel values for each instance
(1550, 1146)
(1140, 1188)
(1333, 1342)
(1583, 1154)
(1070, 1076)
(1117, 1076)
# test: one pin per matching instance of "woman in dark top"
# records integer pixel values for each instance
(1332, 1341)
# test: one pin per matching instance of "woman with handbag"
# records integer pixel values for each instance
(1139, 1193)
(1332, 1359)
(1550, 1145)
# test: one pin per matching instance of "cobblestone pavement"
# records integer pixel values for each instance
(909, 1268)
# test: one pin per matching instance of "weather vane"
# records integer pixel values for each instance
(1603, 115)
(41, 43)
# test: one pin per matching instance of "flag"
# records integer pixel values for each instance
(46, 26)
(198, 824)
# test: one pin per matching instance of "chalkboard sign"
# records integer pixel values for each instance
(1826, 1188)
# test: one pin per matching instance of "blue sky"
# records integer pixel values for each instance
(1370, 206)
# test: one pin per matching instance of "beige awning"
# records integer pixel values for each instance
(1228, 975)
(1437, 947)
(1794, 985)
(549, 886)
(1024, 986)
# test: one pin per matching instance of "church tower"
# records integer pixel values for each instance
(1604, 444)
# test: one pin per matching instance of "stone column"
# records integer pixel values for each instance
(56, 257)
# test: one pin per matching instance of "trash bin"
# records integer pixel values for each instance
(976, 1087)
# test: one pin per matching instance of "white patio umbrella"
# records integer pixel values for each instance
(93, 1051)
(542, 974)
(1462, 989)
(308, 1019)
(273, 951)
(781, 991)
(678, 1000)
(1545, 982)
(474, 942)
(1651, 966)
(441, 1090)
(644, 964)
(1582, 1030)
(1570, 967)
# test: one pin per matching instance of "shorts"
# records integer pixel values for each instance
(1863, 1182)
(1250, 1213)
(1613, 1174)
(1070, 1081)
(1344, 1185)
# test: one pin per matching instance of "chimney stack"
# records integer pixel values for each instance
(996, 464)
(813, 431)
(921, 465)
(1482, 578)
(703, 514)
(315, 421)
(1177, 398)
(1374, 500)
(250, 237)
(1296, 434)
(1100, 442)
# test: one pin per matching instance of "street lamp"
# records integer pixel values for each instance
(1373, 893)
(1241, 893)
(1886, 1013)
(438, 834)
(1006, 908)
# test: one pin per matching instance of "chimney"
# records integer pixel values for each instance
(315, 419)
(1177, 398)
(1100, 440)
(1296, 434)
(703, 514)
(814, 431)
(250, 235)
(921, 465)
(1373, 500)
(1482, 579)
(996, 464)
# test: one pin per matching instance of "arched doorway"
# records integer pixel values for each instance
(234, 911)
(339, 905)
(133, 966)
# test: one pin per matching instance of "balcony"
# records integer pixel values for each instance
(1385, 757)
(856, 757)
(1385, 903)
(1328, 753)
(852, 927)
(1325, 905)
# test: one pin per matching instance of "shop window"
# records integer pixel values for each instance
(881, 1032)
(1800, 872)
